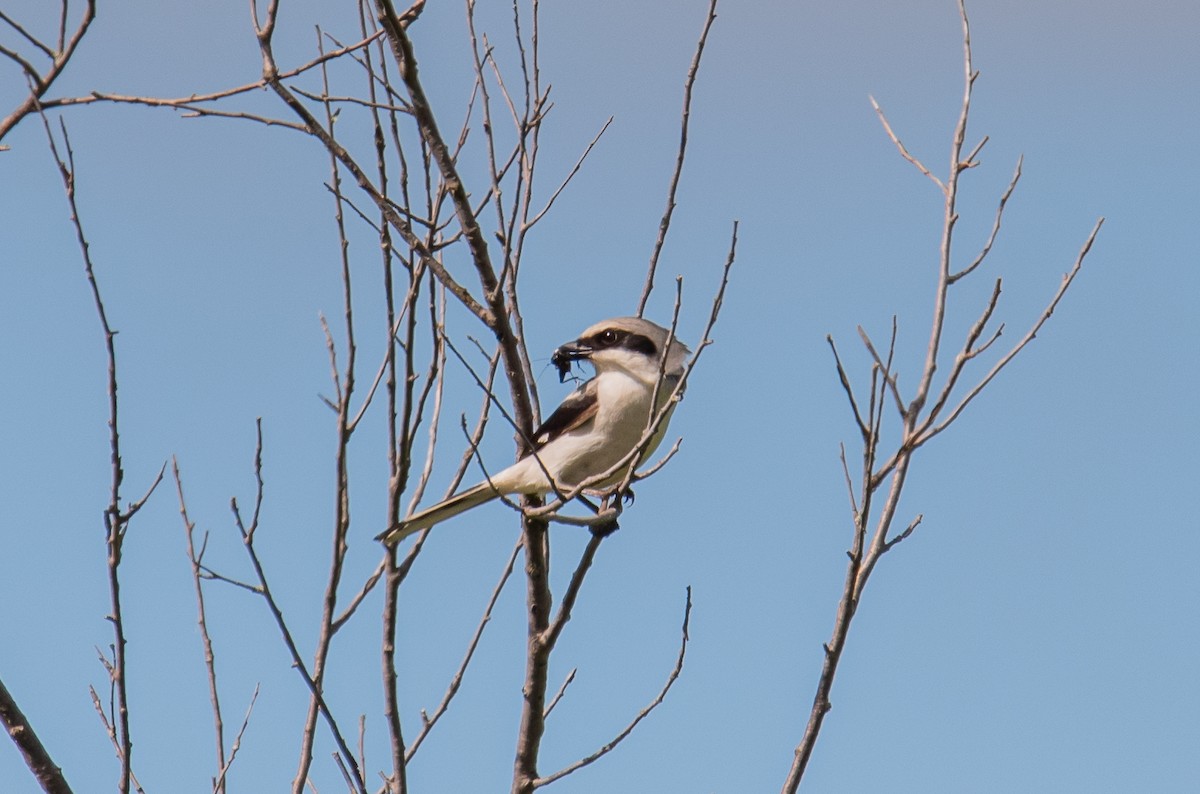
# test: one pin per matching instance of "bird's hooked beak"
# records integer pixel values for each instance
(569, 353)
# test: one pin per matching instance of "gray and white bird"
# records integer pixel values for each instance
(596, 426)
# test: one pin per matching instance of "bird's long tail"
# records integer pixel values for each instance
(441, 511)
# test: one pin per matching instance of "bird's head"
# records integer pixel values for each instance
(624, 344)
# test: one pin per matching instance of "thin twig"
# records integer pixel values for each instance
(889, 378)
(110, 728)
(193, 101)
(665, 223)
(457, 679)
(845, 381)
(195, 559)
(116, 520)
(344, 385)
(40, 82)
(567, 180)
(247, 532)
(645, 712)
(562, 690)
(887, 127)
(219, 784)
(987, 246)
(1067, 280)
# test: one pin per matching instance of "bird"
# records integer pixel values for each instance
(594, 428)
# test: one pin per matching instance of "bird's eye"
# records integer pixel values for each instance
(608, 337)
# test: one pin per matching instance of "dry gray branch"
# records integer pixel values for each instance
(59, 54)
(665, 224)
(47, 773)
(872, 535)
(196, 560)
(116, 519)
(641, 715)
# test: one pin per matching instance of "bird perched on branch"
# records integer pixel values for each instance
(597, 425)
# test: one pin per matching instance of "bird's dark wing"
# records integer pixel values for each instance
(579, 407)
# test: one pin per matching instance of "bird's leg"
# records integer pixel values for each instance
(621, 498)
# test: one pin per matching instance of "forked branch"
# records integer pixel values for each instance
(59, 53)
(883, 483)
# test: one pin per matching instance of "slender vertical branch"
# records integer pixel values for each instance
(248, 530)
(497, 318)
(116, 520)
(398, 421)
(196, 559)
(641, 715)
(457, 679)
(950, 219)
(673, 186)
(344, 384)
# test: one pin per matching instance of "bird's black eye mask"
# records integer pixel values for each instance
(612, 337)
(581, 349)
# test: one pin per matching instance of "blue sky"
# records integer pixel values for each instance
(1039, 632)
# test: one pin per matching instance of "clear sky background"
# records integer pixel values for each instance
(1039, 632)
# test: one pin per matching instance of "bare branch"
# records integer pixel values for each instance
(987, 246)
(344, 384)
(849, 482)
(610, 746)
(219, 783)
(386, 206)
(193, 101)
(41, 81)
(48, 774)
(189, 529)
(497, 318)
(110, 727)
(969, 161)
(642, 474)
(887, 546)
(889, 377)
(264, 590)
(552, 632)
(116, 521)
(900, 146)
(968, 352)
(567, 180)
(356, 601)
(456, 681)
(845, 381)
(562, 690)
(917, 427)
(1067, 279)
(950, 218)
(673, 186)
(12, 23)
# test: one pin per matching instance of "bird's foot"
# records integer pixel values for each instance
(626, 497)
